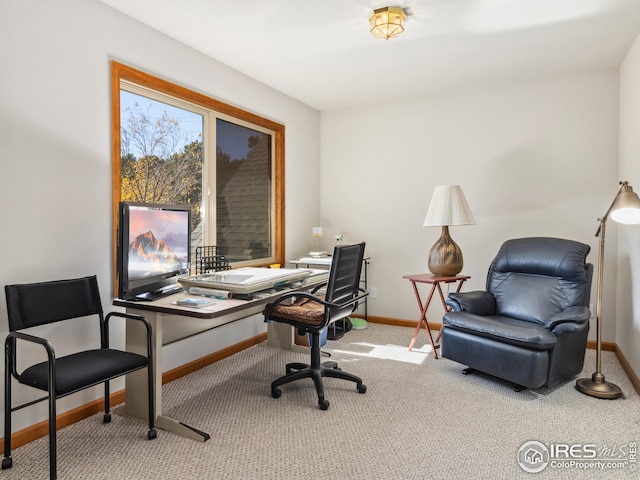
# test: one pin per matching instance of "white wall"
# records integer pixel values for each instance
(55, 150)
(628, 294)
(534, 159)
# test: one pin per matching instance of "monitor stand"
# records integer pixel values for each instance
(160, 293)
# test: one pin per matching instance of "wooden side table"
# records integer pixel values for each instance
(435, 281)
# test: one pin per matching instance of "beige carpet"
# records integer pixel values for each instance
(420, 419)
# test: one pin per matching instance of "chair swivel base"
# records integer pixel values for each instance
(297, 371)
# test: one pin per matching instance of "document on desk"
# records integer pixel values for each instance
(210, 292)
(316, 260)
(317, 275)
(193, 302)
(245, 280)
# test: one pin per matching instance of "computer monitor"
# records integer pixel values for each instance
(154, 242)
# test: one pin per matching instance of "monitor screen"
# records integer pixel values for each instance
(154, 242)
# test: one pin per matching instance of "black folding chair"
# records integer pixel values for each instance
(36, 304)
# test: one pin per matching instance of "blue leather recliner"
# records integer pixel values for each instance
(530, 326)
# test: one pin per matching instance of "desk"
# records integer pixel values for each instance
(170, 323)
(434, 281)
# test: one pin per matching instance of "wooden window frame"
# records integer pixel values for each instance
(120, 72)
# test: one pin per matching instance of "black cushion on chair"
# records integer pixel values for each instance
(72, 373)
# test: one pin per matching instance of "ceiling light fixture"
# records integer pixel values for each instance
(387, 22)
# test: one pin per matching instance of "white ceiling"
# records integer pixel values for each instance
(321, 52)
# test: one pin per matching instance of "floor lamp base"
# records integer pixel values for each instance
(598, 387)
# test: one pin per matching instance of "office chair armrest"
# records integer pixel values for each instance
(318, 287)
(131, 316)
(10, 345)
(32, 338)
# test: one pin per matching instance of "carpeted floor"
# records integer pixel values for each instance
(420, 419)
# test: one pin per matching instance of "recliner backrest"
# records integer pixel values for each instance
(535, 278)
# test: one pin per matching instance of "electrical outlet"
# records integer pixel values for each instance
(373, 292)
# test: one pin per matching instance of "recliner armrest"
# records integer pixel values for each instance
(477, 302)
(576, 314)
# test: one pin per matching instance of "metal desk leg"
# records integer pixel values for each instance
(136, 397)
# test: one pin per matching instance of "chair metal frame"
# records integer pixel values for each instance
(91, 308)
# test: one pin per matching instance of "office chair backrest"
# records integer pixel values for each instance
(30, 305)
(344, 276)
(535, 278)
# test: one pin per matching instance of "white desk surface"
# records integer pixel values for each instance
(317, 260)
(218, 308)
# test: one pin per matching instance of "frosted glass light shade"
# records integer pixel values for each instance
(448, 207)
(387, 22)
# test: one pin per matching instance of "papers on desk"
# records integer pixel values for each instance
(315, 260)
(316, 275)
(193, 302)
(210, 292)
(245, 280)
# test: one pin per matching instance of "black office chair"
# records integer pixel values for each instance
(35, 304)
(310, 313)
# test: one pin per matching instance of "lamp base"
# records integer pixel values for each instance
(596, 386)
(445, 257)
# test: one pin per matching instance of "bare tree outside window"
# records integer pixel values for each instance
(160, 160)
(176, 146)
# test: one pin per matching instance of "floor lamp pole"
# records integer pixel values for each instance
(596, 386)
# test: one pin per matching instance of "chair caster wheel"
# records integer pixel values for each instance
(276, 392)
(7, 463)
(324, 404)
(152, 434)
(106, 418)
(362, 388)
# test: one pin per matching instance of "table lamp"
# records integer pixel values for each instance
(625, 208)
(448, 207)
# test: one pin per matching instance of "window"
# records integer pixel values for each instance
(173, 145)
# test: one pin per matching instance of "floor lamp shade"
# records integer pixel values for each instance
(625, 208)
(448, 207)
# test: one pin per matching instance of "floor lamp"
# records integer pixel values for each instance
(625, 208)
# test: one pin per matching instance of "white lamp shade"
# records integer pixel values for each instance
(448, 206)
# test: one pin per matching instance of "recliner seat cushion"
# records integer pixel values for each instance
(503, 329)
